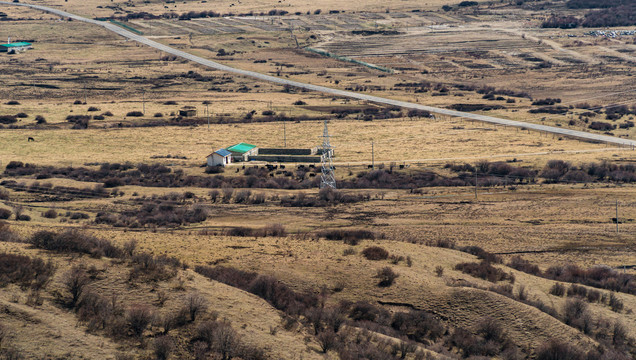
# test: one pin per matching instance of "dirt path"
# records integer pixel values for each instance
(337, 92)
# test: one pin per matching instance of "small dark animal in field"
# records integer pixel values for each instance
(30, 139)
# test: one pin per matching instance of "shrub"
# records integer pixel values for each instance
(75, 281)
(162, 347)
(557, 289)
(135, 113)
(50, 214)
(8, 119)
(214, 169)
(518, 263)
(349, 236)
(386, 276)
(39, 119)
(196, 304)
(158, 115)
(227, 195)
(74, 241)
(242, 196)
(12, 102)
(575, 313)
(300, 102)
(93, 108)
(327, 340)
(25, 271)
(349, 251)
(5, 213)
(138, 318)
(484, 270)
(363, 311)
(22, 115)
(593, 296)
(481, 254)
(375, 253)
(577, 290)
(439, 270)
(557, 350)
(78, 215)
(615, 303)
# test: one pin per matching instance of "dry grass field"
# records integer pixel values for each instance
(494, 248)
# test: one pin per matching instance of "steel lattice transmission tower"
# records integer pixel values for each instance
(327, 179)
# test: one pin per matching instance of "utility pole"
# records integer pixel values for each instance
(143, 101)
(207, 112)
(617, 216)
(372, 157)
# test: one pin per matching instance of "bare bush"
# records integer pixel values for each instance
(327, 340)
(196, 304)
(485, 270)
(557, 289)
(25, 271)
(387, 276)
(50, 214)
(5, 213)
(75, 281)
(439, 270)
(375, 253)
(349, 236)
(556, 350)
(162, 347)
(138, 318)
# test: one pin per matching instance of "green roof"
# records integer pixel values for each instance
(16, 44)
(241, 148)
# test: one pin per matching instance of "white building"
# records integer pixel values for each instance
(220, 157)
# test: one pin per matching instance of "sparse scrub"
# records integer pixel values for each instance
(138, 318)
(387, 276)
(5, 213)
(349, 236)
(196, 304)
(24, 270)
(557, 289)
(375, 253)
(162, 347)
(485, 270)
(75, 281)
(50, 214)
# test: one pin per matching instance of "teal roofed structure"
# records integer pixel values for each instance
(241, 148)
(15, 47)
(242, 151)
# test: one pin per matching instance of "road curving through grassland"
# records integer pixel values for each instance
(582, 135)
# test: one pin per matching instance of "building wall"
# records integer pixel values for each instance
(215, 160)
(286, 151)
(286, 158)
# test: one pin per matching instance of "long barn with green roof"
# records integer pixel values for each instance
(242, 151)
(15, 47)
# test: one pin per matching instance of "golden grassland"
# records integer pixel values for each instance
(57, 333)
(99, 8)
(115, 70)
(424, 141)
(548, 224)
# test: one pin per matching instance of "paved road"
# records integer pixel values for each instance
(348, 94)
